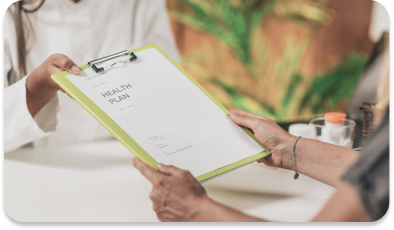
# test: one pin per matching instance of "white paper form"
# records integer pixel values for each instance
(166, 114)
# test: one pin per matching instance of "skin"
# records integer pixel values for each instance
(321, 161)
(40, 88)
(177, 196)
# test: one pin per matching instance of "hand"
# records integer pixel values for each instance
(40, 78)
(270, 134)
(176, 194)
(40, 88)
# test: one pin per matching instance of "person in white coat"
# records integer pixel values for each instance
(65, 34)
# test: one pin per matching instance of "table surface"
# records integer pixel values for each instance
(96, 182)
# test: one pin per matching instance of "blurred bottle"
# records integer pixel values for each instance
(333, 131)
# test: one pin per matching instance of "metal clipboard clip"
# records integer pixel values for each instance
(110, 57)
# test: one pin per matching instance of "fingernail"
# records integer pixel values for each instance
(159, 166)
(75, 70)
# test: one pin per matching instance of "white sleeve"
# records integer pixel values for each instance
(20, 127)
(155, 27)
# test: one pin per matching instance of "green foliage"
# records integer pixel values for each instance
(287, 66)
(329, 90)
(233, 24)
(310, 13)
(236, 22)
(325, 92)
(243, 102)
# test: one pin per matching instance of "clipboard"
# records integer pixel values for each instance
(121, 135)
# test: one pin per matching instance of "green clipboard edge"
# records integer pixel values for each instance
(127, 141)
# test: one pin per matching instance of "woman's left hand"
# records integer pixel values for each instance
(176, 194)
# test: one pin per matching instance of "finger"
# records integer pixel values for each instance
(165, 216)
(261, 161)
(169, 216)
(168, 170)
(67, 94)
(246, 121)
(64, 92)
(148, 172)
(65, 63)
(266, 161)
(156, 207)
(54, 69)
(240, 112)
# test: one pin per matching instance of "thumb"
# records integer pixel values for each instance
(168, 170)
(245, 121)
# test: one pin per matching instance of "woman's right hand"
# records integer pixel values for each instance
(40, 88)
(40, 78)
(270, 134)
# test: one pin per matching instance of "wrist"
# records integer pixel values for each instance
(287, 160)
(201, 210)
(37, 84)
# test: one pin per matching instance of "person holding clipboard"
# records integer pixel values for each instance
(361, 178)
(44, 37)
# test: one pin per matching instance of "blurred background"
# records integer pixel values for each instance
(288, 60)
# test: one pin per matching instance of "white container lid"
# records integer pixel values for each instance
(303, 130)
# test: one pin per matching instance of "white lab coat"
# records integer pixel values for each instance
(82, 31)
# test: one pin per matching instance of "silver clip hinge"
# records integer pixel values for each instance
(110, 57)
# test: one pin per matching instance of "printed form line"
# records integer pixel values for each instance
(126, 107)
(100, 84)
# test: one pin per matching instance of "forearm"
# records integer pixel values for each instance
(344, 206)
(38, 94)
(321, 161)
(211, 211)
(40, 88)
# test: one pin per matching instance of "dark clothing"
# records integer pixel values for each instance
(368, 82)
(370, 174)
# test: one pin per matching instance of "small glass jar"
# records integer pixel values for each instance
(340, 132)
